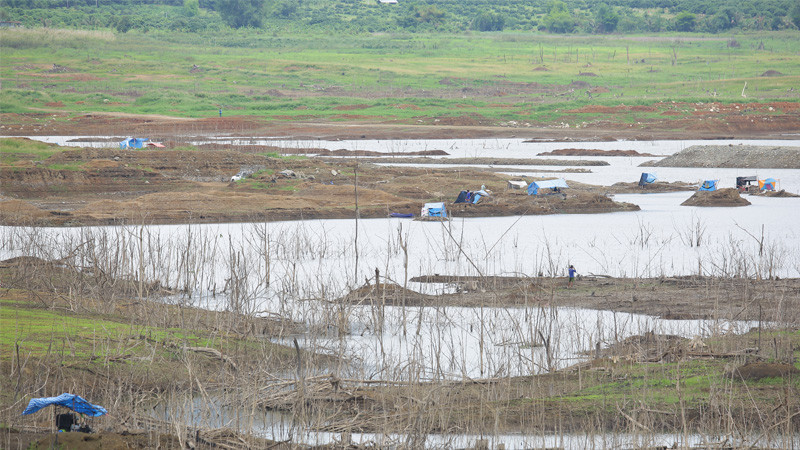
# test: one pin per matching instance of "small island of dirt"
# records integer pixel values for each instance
(720, 197)
(733, 156)
(593, 152)
(75, 186)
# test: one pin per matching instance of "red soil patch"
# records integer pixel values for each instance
(595, 109)
(592, 152)
(408, 106)
(56, 104)
(350, 116)
(350, 107)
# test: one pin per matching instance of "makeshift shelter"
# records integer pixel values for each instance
(517, 184)
(743, 182)
(708, 185)
(555, 185)
(71, 401)
(133, 143)
(464, 197)
(770, 184)
(646, 179)
(434, 210)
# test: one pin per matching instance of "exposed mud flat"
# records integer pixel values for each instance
(668, 297)
(114, 186)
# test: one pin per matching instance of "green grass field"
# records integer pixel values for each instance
(402, 78)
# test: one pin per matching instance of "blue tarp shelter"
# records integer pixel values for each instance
(646, 179)
(464, 197)
(767, 185)
(133, 143)
(476, 197)
(708, 185)
(434, 210)
(558, 183)
(71, 401)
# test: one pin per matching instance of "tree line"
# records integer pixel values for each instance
(553, 16)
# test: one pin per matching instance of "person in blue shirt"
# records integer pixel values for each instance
(572, 273)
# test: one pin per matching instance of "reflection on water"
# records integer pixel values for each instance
(210, 412)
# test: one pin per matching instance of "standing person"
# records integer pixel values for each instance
(572, 273)
(220, 112)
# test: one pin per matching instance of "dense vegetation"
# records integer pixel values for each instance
(357, 16)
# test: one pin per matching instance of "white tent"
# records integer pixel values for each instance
(533, 188)
(517, 184)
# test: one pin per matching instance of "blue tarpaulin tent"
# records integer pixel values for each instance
(708, 185)
(558, 183)
(464, 197)
(434, 210)
(646, 179)
(133, 143)
(71, 401)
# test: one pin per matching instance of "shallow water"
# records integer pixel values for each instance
(313, 262)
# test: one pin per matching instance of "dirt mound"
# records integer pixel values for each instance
(385, 294)
(759, 370)
(541, 69)
(780, 193)
(772, 73)
(733, 156)
(720, 197)
(658, 186)
(592, 152)
(587, 74)
(18, 212)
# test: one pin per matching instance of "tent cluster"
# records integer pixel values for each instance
(472, 197)
(746, 183)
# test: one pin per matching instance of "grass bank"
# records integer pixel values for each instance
(508, 79)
